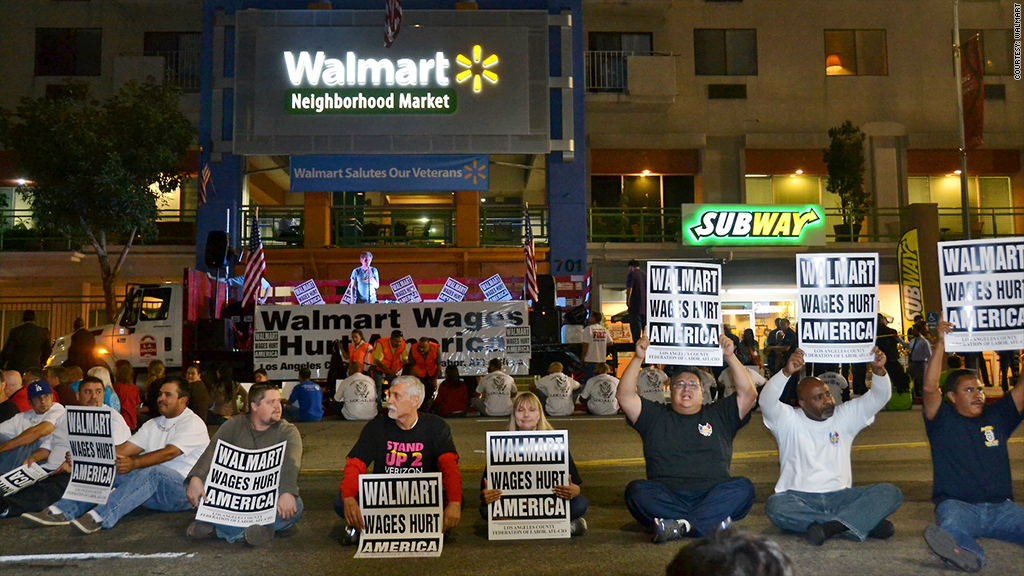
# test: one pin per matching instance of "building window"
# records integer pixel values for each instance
(68, 51)
(996, 50)
(855, 53)
(181, 52)
(725, 52)
(606, 58)
(788, 189)
(989, 197)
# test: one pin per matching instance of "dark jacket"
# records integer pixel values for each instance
(81, 353)
(27, 346)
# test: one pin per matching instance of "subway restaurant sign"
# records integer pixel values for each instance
(453, 82)
(752, 225)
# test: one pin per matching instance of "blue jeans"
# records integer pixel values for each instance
(859, 509)
(965, 522)
(234, 533)
(13, 458)
(156, 488)
(703, 509)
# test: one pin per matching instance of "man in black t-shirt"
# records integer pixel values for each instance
(688, 449)
(403, 442)
(973, 489)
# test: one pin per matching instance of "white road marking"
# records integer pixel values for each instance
(93, 556)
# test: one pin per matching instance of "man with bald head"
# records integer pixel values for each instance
(815, 494)
(10, 383)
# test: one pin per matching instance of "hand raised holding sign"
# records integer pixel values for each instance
(878, 364)
(641, 346)
(728, 346)
(795, 363)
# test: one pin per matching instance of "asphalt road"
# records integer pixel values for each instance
(609, 456)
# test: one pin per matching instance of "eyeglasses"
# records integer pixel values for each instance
(686, 385)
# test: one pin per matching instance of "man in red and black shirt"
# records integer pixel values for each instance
(404, 442)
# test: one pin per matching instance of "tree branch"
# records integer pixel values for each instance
(124, 251)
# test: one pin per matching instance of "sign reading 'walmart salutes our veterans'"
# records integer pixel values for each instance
(389, 173)
(744, 224)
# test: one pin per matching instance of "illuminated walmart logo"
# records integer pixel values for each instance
(477, 68)
(476, 171)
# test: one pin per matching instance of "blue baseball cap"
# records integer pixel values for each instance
(39, 388)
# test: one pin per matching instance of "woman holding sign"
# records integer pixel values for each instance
(528, 415)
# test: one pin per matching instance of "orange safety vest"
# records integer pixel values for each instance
(358, 355)
(392, 359)
(425, 366)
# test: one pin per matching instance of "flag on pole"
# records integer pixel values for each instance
(530, 290)
(392, 21)
(255, 265)
(972, 84)
(586, 289)
(204, 182)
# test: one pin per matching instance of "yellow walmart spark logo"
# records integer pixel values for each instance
(476, 171)
(477, 68)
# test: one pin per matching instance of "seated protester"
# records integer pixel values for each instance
(228, 396)
(306, 402)
(452, 395)
(62, 393)
(731, 553)
(528, 415)
(23, 434)
(356, 398)
(261, 428)
(651, 383)
(728, 386)
(259, 376)
(127, 392)
(837, 384)
(708, 385)
(973, 488)
(688, 450)
(424, 360)
(815, 495)
(155, 373)
(403, 425)
(109, 397)
(151, 468)
(20, 397)
(497, 389)
(556, 391)
(53, 453)
(600, 392)
(199, 394)
(10, 384)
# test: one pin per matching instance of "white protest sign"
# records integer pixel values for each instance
(241, 486)
(494, 289)
(837, 307)
(93, 461)
(403, 515)
(525, 466)
(684, 313)
(21, 477)
(405, 290)
(308, 294)
(982, 283)
(350, 294)
(453, 291)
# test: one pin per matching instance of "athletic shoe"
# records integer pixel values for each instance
(666, 530)
(943, 544)
(86, 524)
(198, 530)
(256, 535)
(4, 508)
(46, 518)
(578, 527)
(350, 537)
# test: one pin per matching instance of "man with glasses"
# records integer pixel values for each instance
(972, 488)
(688, 449)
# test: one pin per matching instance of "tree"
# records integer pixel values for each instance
(845, 162)
(96, 169)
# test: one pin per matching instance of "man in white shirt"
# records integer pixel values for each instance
(555, 391)
(651, 383)
(151, 467)
(356, 398)
(596, 339)
(600, 392)
(815, 494)
(497, 388)
(22, 434)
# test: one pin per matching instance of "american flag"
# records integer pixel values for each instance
(204, 182)
(392, 21)
(255, 265)
(530, 290)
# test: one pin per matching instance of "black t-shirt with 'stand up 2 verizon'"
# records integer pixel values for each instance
(390, 450)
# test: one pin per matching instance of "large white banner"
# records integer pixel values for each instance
(242, 485)
(684, 313)
(403, 514)
(837, 306)
(288, 338)
(982, 283)
(525, 466)
(93, 460)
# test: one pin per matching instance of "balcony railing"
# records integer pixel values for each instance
(394, 225)
(19, 233)
(280, 226)
(634, 224)
(606, 70)
(181, 68)
(504, 225)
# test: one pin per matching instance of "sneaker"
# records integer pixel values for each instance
(46, 518)
(86, 524)
(257, 535)
(666, 530)
(578, 527)
(350, 537)
(943, 544)
(4, 508)
(198, 530)
(725, 524)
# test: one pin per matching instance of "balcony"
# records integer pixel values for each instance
(645, 79)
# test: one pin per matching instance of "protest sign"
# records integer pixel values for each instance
(982, 283)
(837, 306)
(403, 514)
(93, 461)
(241, 486)
(684, 313)
(349, 297)
(494, 289)
(21, 477)
(308, 294)
(453, 291)
(405, 290)
(525, 466)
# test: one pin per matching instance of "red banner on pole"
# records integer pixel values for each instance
(972, 85)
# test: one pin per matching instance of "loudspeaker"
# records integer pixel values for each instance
(215, 335)
(545, 292)
(544, 325)
(217, 243)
